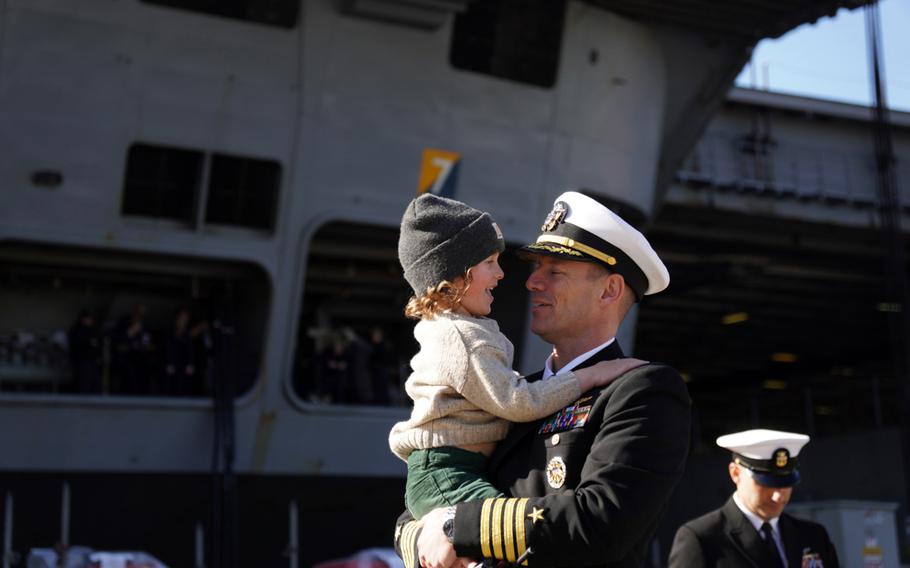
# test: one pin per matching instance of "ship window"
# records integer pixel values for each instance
(93, 322)
(353, 341)
(282, 13)
(517, 40)
(165, 182)
(162, 182)
(242, 191)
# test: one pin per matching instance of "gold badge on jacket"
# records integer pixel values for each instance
(556, 472)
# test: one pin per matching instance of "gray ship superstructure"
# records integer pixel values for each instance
(253, 159)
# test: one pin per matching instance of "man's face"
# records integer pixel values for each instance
(564, 296)
(766, 502)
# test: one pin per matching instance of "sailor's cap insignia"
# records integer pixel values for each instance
(556, 472)
(781, 458)
(556, 216)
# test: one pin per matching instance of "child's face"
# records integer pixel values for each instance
(484, 276)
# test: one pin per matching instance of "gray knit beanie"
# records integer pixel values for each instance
(441, 238)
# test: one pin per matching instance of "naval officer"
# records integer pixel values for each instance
(589, 484)
(751, 530)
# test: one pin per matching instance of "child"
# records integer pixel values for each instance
(464, 390)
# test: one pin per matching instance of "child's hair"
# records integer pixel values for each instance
(443, 297)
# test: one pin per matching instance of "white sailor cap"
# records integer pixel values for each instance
(770, 455)
(580, 228)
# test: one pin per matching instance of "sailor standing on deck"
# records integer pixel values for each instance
(588, 485)
(751, 530)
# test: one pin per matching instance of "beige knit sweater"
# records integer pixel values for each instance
(464, 389)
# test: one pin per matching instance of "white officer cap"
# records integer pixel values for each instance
(770, 455)
(580, 228)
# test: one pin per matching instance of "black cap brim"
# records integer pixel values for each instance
(772, 480)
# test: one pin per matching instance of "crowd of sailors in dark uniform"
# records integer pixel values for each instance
(131, 357)
(339, 366)
(128, 358)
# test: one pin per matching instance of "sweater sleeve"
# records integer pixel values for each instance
(492, 385)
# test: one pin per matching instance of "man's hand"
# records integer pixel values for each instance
(434, 548)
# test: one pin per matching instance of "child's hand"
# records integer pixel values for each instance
(605, 372)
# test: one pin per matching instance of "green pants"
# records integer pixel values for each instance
(440, 477)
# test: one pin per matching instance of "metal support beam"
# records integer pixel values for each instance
(892, 237)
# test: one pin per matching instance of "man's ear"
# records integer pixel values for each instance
(734, 473)
(614, 286)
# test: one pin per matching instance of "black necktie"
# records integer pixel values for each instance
(776, 561)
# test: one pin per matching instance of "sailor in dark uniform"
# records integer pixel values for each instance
(589, 484)
(751, 530)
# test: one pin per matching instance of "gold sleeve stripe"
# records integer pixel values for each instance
(403, 545)
(402, 539)
(412, 545)
(485, 528)
(497, 529)
(408, 538)
(508, 518)
(520, 527)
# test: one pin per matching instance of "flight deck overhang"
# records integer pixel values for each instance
(809, 106)
(706, 44)
(756, 19)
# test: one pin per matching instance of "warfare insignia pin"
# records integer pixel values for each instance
(781, 457)
(536, 515)
(811, 560)
(556, 472)
(556, 216)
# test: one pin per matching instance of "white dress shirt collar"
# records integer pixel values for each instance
(548, 366)
(755, 519)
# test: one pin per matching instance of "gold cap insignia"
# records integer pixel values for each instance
(781, 458)
(556, 472)
(556, 216)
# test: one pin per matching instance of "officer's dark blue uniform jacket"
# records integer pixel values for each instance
(724, 538)
(614, 457)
